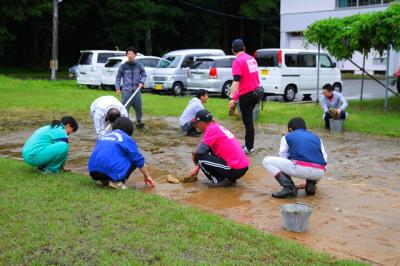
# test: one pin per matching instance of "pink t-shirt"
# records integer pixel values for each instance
(224, 145)
(245, 66)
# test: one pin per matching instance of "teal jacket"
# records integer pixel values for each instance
(42, 138)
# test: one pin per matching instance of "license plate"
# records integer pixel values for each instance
(265, 72)
(159, 86)
(196, 76)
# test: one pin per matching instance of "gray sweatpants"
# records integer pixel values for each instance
(275, 165)
(136, 103)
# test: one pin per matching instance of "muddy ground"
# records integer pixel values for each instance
(356, 209)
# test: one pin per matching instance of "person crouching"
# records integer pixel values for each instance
(302, 154)
(219, 154)
(47, 148)
(116, 156)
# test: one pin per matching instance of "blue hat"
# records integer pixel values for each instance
(203, 116)
(238, 44)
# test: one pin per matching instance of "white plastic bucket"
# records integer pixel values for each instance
(336, 125)
(295, 216)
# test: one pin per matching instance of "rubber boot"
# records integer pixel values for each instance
(310, 187)
(289, 188)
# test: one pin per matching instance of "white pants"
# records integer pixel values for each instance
(274, 165)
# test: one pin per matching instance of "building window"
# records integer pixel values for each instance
(296, 34)
(358, 3)
(369, 2)
(346, 3)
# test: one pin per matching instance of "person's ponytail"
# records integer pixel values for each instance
(55, 123)
(65, 121)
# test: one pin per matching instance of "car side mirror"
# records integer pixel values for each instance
(333, 65)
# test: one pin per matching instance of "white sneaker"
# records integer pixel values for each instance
(248, 151)
(117, 185)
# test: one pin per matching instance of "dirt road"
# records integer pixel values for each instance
(356, 208)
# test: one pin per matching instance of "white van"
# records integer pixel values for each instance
(91, 64)
(113, 63)
(290, 71)
(172, 71)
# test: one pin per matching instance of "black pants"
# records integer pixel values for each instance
(103, 177)
(216, 169)
(328, 116)
(398, 85)
(246, 104)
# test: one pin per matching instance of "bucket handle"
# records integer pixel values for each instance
(306, 204)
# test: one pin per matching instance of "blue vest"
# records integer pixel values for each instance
(305, 146)
(114, 155)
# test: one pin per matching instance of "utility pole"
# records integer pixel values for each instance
(54, 59)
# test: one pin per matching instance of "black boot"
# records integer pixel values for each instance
(224, 183)
(310, 187)
(289, 188)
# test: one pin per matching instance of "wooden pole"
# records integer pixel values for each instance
(54, 59)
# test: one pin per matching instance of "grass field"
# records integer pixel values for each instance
(33, 102)
(67, 219)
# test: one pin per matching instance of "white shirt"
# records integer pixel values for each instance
(99, 109)
(195, 105)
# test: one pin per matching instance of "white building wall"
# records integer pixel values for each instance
(297, 15)
(296, 6)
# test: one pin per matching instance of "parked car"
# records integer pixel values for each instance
(172, 71)
(112, 65)
(90, 66)
(73, 71)
(213, 73)
(290, 71)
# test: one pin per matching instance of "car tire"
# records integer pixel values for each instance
(107, 87)
(92, 86)
(177, 89)
(226, 89)
(337, 87)
(290, 93)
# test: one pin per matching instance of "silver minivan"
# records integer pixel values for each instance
(172, 71)
(213, 73)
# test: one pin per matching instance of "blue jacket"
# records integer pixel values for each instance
(114, 155)
(305, 146)
(132, 73)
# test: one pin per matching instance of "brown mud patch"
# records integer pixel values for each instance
(356, 207)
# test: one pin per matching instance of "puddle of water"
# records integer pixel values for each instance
(356, 208)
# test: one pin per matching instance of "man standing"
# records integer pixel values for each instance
(195, 105)
(105, 109)
(244, 90)
(333, 103)
(219, 154)
(133, 77)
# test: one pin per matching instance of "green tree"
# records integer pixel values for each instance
(20, 13)
(361, 32)
(267, 13)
